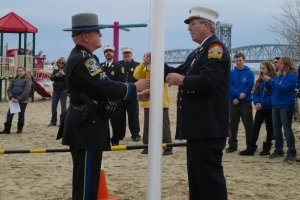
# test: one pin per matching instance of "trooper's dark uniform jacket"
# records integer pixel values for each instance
(84, 75)
(206, 71)
(114, 72)
(129, 70)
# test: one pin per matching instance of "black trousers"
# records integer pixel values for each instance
(115, 125)
(133, 119)
(86, 173)
(241, 110)
(205, 170)
(259, 118)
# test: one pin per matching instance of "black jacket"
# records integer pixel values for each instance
(84, 75)
(203, 100)
(114, 72)
(129, 70)
(59, 82)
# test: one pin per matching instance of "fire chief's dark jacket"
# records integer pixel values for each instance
(129, 70)
(203, 100)
(84, 75)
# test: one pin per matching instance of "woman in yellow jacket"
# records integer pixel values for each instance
(141, 72)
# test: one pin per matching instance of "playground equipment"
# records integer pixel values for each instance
(39, 71)
(116, 26)
(12, 23)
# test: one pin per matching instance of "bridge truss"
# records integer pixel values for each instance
(253, 53)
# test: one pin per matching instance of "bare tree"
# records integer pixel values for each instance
(287, 25)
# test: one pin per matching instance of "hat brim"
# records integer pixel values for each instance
(187, 21)
(108, 49)
(86, 28)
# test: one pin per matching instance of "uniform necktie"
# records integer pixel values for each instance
(107, 65)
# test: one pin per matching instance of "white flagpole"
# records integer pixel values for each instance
(156, 100)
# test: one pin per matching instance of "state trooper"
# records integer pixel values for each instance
(85, 126)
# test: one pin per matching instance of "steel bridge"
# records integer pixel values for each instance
(253, 53)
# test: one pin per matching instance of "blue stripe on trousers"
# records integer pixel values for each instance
(87, 175)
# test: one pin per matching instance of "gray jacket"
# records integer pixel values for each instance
(19, 89)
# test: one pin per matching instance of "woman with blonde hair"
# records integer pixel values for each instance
(262, 102)
(283, 95)
(18, 92)
(59, 91)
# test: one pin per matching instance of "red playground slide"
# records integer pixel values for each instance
(40, 90)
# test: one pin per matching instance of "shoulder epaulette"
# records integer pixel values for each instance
(96, 58)
(85, 54)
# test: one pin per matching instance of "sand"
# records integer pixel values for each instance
(47, 176)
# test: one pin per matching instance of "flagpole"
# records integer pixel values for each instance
(156, 100)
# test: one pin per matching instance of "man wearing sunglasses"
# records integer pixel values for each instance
(85, 127)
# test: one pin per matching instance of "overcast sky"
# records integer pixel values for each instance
(249, 20)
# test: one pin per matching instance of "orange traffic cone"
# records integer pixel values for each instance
(102, 188)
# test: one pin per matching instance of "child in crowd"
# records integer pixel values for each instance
(18, 92)
(283, 95)
(262, 102)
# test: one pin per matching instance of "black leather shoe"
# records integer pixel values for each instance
(167, 152)
(231, 149)
(246, 152)
(136, 139)
(145, 151)
(264, 153)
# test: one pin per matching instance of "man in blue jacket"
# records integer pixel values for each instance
(241, 84)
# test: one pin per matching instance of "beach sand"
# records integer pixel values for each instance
(47, 176)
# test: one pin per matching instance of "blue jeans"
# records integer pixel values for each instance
(21, 119)
(282, 117)
(62, 97)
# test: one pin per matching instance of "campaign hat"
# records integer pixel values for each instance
(85, 21)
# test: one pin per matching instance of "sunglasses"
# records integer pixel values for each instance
(61, 63)
(96, 31)
(81, 32)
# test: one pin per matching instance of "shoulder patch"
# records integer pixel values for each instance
(93, 67)
(215, 51)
